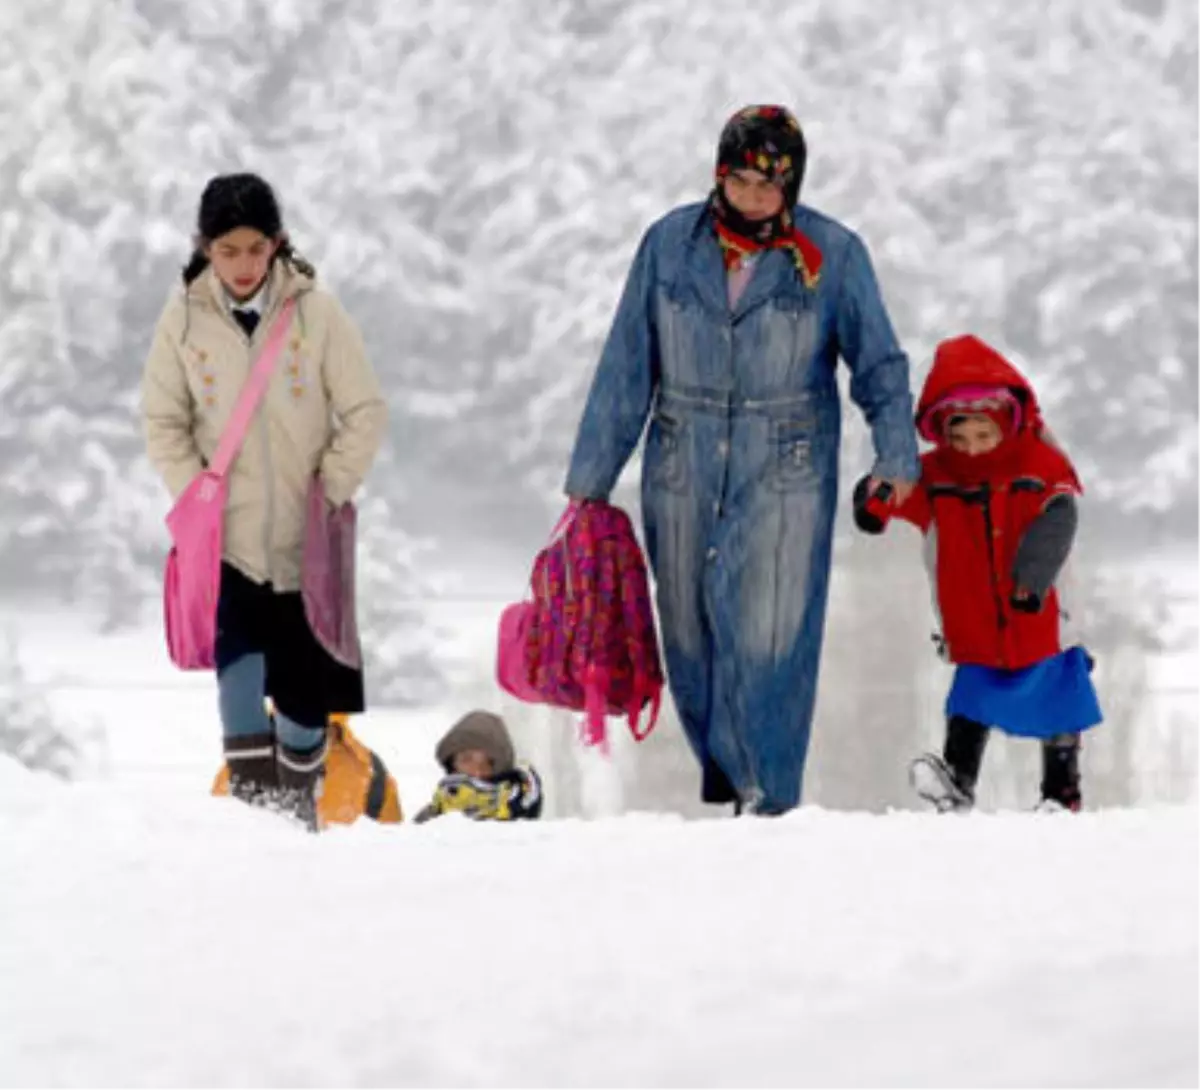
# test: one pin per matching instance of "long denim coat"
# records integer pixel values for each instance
(739, 477)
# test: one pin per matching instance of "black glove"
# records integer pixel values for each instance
(1031, 603)
(871, 509)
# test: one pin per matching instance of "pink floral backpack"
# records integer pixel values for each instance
(586, 640)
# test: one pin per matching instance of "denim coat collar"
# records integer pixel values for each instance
(774, 273)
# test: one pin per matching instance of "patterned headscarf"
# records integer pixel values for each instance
(767, 139)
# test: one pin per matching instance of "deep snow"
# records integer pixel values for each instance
(151, 938)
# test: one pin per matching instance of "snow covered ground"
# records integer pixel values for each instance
(153, 936)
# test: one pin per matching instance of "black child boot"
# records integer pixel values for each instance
(253, 777)
(1060, 773)
(300, 781)
(963, 752)
(948, 782)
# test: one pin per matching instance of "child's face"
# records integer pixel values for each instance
(241, 259)
(473, 762)
(974, 435)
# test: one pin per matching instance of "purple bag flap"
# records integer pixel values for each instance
(328, 576)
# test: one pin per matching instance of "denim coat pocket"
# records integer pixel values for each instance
(792, 454)
(666, 459)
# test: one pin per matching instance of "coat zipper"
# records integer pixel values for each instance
(270, 485)
(264, 432)
(731, 702)
(269, 527)
(268, 475)
(989, 530)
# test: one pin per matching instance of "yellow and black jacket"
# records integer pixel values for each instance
(511, 796)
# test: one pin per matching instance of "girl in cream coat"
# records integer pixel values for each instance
(323, 413)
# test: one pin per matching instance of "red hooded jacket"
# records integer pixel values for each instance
(975, 510)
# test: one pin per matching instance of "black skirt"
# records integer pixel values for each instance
(303, 681)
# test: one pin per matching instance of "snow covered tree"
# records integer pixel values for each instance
(473, 182)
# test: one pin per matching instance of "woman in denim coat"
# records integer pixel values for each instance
(727, 337)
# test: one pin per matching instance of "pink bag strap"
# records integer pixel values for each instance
(563, 522)
(252, 393)
(593, 729)
(558, 537)
(643, 691)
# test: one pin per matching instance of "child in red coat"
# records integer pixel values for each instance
(997, 502)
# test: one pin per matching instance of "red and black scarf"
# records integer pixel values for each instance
(767, 139)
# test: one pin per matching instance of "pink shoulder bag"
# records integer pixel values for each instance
(192, 581)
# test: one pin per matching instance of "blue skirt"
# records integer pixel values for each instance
(1054, 696)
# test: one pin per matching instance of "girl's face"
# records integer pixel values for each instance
(241, 259)
(473, 762)
(753, 194)
(974, 435)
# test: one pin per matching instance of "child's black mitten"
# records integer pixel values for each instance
(872, 509)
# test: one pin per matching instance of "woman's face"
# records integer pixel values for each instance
(241, 259)
(753, 194)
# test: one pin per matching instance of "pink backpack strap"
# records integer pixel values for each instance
(252, 393)
(634, 587)
(595, 674)
(643, 690)
(564, 520)
(559, 537)
(595, 729)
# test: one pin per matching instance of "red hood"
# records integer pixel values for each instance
(967, 361)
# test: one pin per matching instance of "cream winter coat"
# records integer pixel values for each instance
(323, 412)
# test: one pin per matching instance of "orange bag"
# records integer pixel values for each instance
(356, 781)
